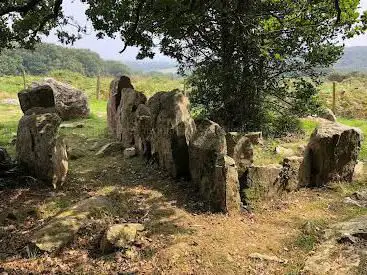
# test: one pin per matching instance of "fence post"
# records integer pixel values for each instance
(24, 80)
(334, 97)
(98, 86)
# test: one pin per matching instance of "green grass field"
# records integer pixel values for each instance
(96, 124)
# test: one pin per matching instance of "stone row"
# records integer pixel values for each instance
(219, 163)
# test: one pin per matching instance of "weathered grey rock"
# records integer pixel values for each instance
(243, 155)
(75, 153)
(262, 181)
(256, 138)
(126, 115)
(130, 152)
(290, 174)
(40, 96)
(172, 129)
(331, 154)
(72, 125)
(212, 171)
(62, 229)
(39, 148)
(111, 148)
(114, 100)
(143, 130)
(69, 102)
(120, 236)
(344, 241)
(40, 111)
(328, 115)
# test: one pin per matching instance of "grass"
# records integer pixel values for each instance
(351, 97)
(11, 85)
(361, 124)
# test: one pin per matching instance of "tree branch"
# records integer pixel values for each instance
(20, 8)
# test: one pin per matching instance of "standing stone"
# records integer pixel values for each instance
(243, 154)
(261, 182)
(290, 174)
(41, 96)
(70, 102)
(212, 171)
(143, 130)
(126, 115)
(39, 148)
(114, 100)
(172, 129)
(331, 154)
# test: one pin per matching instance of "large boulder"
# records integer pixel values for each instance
(61, 229)
(126, 115)
(70, 102)
(212, 171)
(114, 100)
(342, 250)
(331, 154)
(172, 129)
(39, 148)
(41, 96)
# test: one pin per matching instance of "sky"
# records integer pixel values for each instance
(109, 48)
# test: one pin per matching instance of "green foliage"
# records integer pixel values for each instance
(47, 57)
(246, 58)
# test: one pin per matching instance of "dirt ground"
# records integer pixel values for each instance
(181, 237)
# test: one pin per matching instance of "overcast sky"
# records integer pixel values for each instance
(109, 48)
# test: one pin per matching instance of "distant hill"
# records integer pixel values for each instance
(148, 65)
(49, 57)
(354, 59)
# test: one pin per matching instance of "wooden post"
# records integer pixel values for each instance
(334, 97)
(98, 86)
(24, 80)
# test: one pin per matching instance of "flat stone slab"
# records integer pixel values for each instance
(62, 228)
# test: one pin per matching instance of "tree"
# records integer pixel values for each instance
(250, 61)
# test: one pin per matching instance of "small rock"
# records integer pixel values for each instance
(76, 153)
(284, 151)
(328, 115)
(110, 149)
(120, 236)
(267, 258)
(72, 125)
(129, 152)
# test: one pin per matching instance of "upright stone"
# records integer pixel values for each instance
(172, 129)
(114, 100)
(212, 171)
(331, 154)
(39, 148)
(126, 115)
(143, 130)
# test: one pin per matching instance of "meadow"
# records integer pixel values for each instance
(351, 100)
